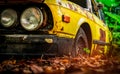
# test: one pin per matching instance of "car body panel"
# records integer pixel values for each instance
(75, 17)
(78, 16)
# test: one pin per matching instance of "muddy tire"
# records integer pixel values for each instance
(80, 43)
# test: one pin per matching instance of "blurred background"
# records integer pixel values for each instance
(111, 11)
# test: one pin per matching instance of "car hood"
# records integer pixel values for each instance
(19, 1)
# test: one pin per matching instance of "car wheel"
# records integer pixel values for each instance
(80, 44)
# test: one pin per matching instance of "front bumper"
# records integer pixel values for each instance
(34, 45)
(27, 44)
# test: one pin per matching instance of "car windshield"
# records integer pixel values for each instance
(82, 3)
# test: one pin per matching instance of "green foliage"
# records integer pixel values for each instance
(87, 50)
(115, 17)
(116, 37)
(110, 3)
(111, 12)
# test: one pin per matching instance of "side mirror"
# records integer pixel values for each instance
(100, 6)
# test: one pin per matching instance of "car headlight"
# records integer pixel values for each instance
(8, 17)
(32, 19)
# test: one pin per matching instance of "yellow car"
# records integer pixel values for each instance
(52, 27)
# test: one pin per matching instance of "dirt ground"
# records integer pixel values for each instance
(63, 65)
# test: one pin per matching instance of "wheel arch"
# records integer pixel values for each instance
(87, 29)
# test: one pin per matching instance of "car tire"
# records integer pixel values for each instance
(80, 43)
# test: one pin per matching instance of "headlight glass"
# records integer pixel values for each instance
(8, 17)
(32, 18)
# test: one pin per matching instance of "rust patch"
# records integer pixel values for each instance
(99, 48)
(103, 35)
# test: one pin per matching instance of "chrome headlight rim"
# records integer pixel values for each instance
(40, 20)
(8, 15)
